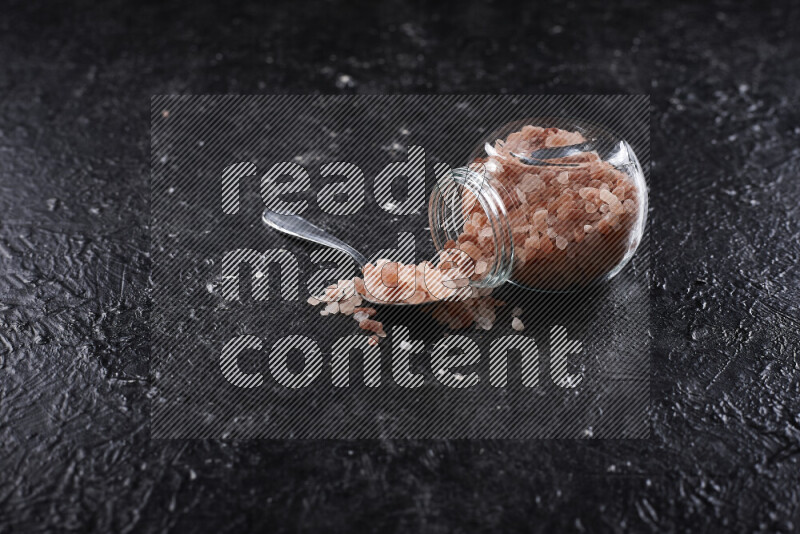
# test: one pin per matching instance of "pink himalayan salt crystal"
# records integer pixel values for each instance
(605, 224)
(373, 340)
(532, 242)
(372, 326)
(613, 202)
(589, 193)
(530, 182)
(517, 325)
(539, 220)
(347, 307)
(520, 195)
(564, 138)
(483, 322)
(360, 316)
(494, 167)
(471, 249)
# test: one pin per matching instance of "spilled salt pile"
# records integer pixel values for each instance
(445, 287)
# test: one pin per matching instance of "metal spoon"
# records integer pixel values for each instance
(300, 228)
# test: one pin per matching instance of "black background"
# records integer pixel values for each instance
(75, 83)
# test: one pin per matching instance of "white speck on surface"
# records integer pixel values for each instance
(344, 81)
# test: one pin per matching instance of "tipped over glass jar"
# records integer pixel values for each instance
(547, 204)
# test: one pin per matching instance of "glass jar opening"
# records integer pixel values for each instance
(466, 197)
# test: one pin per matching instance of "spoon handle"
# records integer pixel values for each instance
(300, 228)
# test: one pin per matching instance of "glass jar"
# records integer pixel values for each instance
(547, 204)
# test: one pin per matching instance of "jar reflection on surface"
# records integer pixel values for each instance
(558, 221)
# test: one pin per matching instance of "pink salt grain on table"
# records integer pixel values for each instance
(478, 309)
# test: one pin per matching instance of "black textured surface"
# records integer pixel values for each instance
(74, 119)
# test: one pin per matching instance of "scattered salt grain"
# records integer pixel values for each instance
(629, 205)
(372, 326)
(483, 322)
(346, 307)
